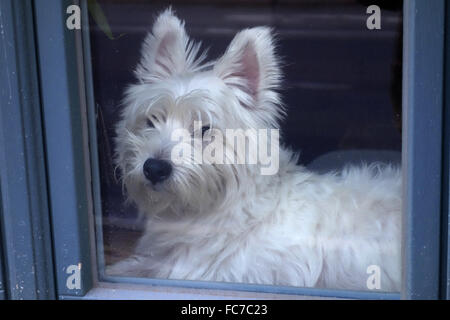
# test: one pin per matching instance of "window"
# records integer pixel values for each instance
(341, 87)
(343, 92)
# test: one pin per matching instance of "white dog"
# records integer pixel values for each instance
(229, 222)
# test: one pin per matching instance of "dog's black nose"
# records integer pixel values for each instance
(157, 170)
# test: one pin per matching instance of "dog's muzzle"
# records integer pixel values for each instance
(157, 170)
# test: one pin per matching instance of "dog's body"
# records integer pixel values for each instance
(229, 222)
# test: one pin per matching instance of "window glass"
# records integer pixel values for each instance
(328, 216)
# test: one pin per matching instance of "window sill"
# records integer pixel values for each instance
(129, 291)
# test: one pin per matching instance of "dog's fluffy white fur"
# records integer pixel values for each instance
(229, 222)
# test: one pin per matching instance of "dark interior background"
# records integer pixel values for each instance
(342, 85)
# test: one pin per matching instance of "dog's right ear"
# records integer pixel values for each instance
(166, 50)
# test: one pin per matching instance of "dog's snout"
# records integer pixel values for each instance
(157, 170)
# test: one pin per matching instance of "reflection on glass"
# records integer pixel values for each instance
(211, 200)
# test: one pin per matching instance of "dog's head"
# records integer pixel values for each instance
(178, 93)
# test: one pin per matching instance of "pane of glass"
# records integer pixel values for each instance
(322, 210)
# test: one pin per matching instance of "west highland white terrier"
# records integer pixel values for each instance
(230, 222)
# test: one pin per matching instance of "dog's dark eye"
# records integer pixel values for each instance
(150, 123)
(204, 129)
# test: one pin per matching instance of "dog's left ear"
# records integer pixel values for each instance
(167, 50)
(251, 68)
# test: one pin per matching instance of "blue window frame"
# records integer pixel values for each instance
(445, 263)
(422, 146)
(26, 241)
(2, 286)
(49, 168)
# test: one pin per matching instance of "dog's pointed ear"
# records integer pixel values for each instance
(166, 50)
(251, 67)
